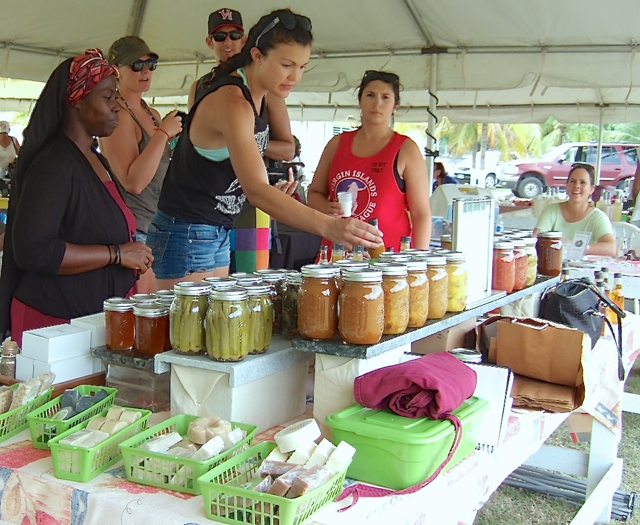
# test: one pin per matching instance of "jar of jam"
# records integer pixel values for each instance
(260, 317)
(152, 321)
(549, 249)
(228, 324)
(290, 305)
(318, 302)
(457, 273)
(396, 296)
(276, 282)
(119, 324)
(418, 292)
(186, 317)
(361, 320)
(532, 259)
(520, 255)
(445, 241)
(438, 286)
(504, 267)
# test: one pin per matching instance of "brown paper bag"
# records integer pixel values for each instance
(542, 350)
(534, 394)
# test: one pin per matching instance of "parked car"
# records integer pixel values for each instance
(469, 175)
(530, 177)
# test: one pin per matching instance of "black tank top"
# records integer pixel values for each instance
(203, 191)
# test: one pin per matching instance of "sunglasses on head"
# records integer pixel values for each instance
(221, 36)
(289, 21)
(151, 63)
(582, 165)
(390, 78)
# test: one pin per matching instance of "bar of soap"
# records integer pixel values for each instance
(96, 423)
(25, 392)
(6, 395)
(211, 448)
(282, 485)
(115, 412)
(303, 453)
(182, 452)
(84, 403)
(309, 480)
(69, 398)
(277, 455)
(100, 395)
(85, 438)
(340, 458)
(130, 416)
(161, 443)
(111, 426)
(321, 454)
(233, 437)
(46, 380)
(264, 485)
(206, 428)
(274, 468)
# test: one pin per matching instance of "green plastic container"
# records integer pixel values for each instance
(398, 452)
(14, 421)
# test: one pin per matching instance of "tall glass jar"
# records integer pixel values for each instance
(361, 320)
(260, 317)
(228, 324)
(275, 279)
(549, 248)
(220, 282)
(318, 302)
(396, 296)
(348, 264)
(141, 298)
(418, 292)
(8, 359)
(520, 255)
(457, 273)
(290, 305)
(186, 317)
(151, 320)
(532, 260)
(438, 286)
(119, 324)
(164, 296)
(504, 267)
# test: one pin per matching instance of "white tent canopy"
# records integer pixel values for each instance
(489, 61)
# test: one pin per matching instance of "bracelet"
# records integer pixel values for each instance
(110, 254)
(163, 131)
(118, 255)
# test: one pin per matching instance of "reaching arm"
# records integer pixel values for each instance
(281, 145)
(413, 170)
(318, 191)
(606, 245)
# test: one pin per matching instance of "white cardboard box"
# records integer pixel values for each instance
(98, 366)
(24, 367)
(56, 342)
(95, 323)
(66, 369)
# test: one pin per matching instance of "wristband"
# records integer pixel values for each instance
(118, 255)
(163, 131)
(110, 255)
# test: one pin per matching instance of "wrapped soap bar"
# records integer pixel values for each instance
(274, 468)
(69, 398)
(233, 437)
(85, 438)
(340, 458)
(25, 392)
(282, 484)
(211, 448)
(309, 480)
(45, 380)
(264, 485)
(115, 412)
(84, 403)
(130, 416)
(182, 452)
(303, 453)
(96, 423)
(321, 454)
(206, 428)
(161, 443)
(277, 455)
(6, 395)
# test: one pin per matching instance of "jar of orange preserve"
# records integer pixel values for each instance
(396, 296)
(504, 267)
(119, 323)
(318, 301)
(361, 319)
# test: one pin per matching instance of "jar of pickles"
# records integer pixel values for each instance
(457, 273)
(276, 282)
(504, 267)
(396, 296)
(549, 249)
(520, 255)
(119, 324)
(260, 317)
(152, 322)
(290, 305)
(532, 260)
(362, 308)
(228, 324)
(164, 296)
(318, 302)
(219, 282)
(438, 286)
(186, 317)
(418, 292)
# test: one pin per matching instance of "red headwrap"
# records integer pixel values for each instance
(85, 72)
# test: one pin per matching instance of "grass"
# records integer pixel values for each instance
(513, 506)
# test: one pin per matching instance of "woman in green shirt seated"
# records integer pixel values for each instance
(577, 214)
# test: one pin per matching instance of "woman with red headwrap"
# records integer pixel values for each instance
(69, 234)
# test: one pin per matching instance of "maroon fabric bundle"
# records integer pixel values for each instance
(430, 386)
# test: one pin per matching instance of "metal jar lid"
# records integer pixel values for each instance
(503, 245)
(446, 237)
(229, 294)
(143, 298)
(272, 277)
(257, 289)
(163, 294)
(223, 281)
(250, 279)
(436, 260)
(362, 275)
(416, 264)
(348, 264)
(456, 257)
(270, 271)
(319, 270)
(466, 355)
(241, 275)
(294, 278)
(118, 304)
(150, 310)
(550, 235)
(530, 241)
(189, 288)
(392, 269)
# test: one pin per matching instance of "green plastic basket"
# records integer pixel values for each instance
(228, 497)
(43, 428)
(15, 421)
(84, 464)
(172, 472)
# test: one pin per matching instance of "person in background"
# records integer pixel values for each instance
(138, 150)
(440, 176)
(384, 170)
(9, 148)
(69, 232)
(217, 164)
(577, 214)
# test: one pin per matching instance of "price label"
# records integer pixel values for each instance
(578, 246)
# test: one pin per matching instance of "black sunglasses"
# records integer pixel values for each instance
(221, 36)
(582, 165)
(289, 21)
(390, 78)
(151, 63)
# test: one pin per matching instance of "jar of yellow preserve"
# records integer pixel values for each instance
(396, 296)
(457, 273)
(438, 287)
(418, 292)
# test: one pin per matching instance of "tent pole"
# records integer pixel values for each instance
(431, 125)
(599, 150)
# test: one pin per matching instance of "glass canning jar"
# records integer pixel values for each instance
(532, 260)
(504, 267)
(457, 273)
(549, 249)
(438, 286)
(445, 241)
(186, 317)
(418, 292)
(318, 301)
(151, 322)
(228, 324)
(290, 305)
(361, 320)
(348, 264)
(119, 323)
(220, 282)
(260, 317)
(275, 279)
(396, 296)
(140, 298)
(520, 255)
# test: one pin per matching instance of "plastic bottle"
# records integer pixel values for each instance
(616, 207)
(337, 253)
(374, 253)
(499, 225)
(405, 243)
(357, 253)
(617, 295)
